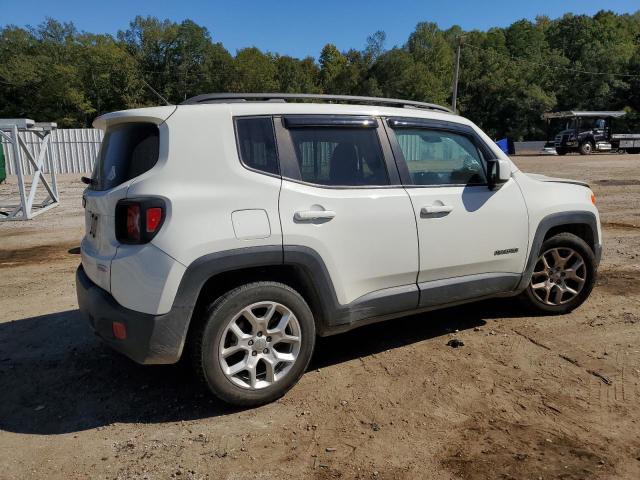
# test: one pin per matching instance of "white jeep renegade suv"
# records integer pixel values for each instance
(237, 227)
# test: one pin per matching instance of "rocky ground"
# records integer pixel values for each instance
(524, 398)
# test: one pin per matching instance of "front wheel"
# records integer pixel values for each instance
(563, 276)
(255, 343)
(586, 148)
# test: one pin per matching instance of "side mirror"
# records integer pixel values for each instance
(499, 172)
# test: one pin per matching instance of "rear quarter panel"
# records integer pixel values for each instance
(203, 182)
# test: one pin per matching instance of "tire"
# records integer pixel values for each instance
(586, 148)
(633, 151)
(267, 303)
(561, 151)
(557, 280)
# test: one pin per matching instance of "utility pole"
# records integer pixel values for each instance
(454, 99)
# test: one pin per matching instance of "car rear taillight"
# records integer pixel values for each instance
(139, 220)
(154, 217)
(119, 330)
(133, 222)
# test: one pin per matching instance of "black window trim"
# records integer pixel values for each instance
(239, 151)
(392, 123)
(290, 170)
(330, 121)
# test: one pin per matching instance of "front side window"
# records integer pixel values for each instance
(435, 157)
(339, 156)
(257, 144)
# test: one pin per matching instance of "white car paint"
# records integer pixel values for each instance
(369, 240)
(369, 244)
(464, 240)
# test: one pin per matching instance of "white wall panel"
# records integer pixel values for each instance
(73, 150)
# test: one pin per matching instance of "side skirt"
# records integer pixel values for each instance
(451, 290)
(433, 295)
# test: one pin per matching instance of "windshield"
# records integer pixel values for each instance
(558, 125)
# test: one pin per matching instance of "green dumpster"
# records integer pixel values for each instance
(3, 168)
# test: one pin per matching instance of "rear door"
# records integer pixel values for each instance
(341, 197)
(127, 151)
(473, 240)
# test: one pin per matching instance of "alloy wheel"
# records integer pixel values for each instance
(259, 345)
(558, 276)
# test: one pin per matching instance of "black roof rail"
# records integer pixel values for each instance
(283, 97)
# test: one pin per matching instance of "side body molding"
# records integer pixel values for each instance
(332, 317)
(335, 317)
(176, 322)
(467, 288)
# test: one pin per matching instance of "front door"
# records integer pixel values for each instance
(472, 240)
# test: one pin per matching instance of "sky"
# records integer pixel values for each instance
(300, 28)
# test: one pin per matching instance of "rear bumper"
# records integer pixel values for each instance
(151, 339)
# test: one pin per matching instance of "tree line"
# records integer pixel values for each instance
(508, 76)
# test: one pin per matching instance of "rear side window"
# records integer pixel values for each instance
(127, 151)
(436, 157)
(257, 144)
(339, 156)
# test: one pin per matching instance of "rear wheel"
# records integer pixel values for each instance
(255, 343)
(586, 148)
(563, 276)
(633, 150)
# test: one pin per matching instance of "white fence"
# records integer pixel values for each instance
(74, 150)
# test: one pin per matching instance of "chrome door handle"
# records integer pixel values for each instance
(431, 209)
(306, 215)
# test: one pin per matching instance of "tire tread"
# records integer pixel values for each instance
(536, 306)
(197, 344)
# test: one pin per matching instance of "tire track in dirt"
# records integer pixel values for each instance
(558, 444)
(619, 226)
(619, 282)
(585, 362)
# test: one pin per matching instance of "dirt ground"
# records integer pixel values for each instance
(524, 398)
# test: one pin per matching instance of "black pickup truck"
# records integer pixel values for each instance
(587, 132)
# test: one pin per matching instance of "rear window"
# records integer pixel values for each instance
(257, 144)
(340, 156)
(127, 151)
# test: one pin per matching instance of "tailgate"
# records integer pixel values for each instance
(130, 148)
(99, 244)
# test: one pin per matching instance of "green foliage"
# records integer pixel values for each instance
(508, 76)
